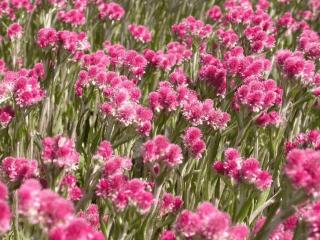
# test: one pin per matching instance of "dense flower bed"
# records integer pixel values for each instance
(161, 119)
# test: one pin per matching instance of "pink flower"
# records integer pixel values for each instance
(178, 77)
(161, 150)
(75, 194)
(268, 118)
(19, 169)
(28, 199)
(170, 204)
(104, 150)
(209, 223)
(140, 33)
(246, 170)
(46, 37)
(28, 91)
(191, 27)
(188, 223)
(164, 98)
(302, 168)
(3, 191)
(214, 13)
(310, 139)
(91, 215)
(14, 31)
(6, 115)
(53, 209)
(111, 10)
(194, 143)
(74, 16)
(69, 180)
(76, 229)
(167, 235)
(214, 73)
(60, 151)
(259, 95)
(5, 217)
(228, 38)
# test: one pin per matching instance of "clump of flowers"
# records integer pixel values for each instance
(295, 66)
(310, 139)
(259, 95)
(19, 169)
(302, 168)
(115, 185)
(111, 10)
(176, 53)
(190, 28)
(243, 170)
(170, 204)
(140, 33)
(160, 150)
(60, 151)
(192, 139)
(5, 212)
(213, 72)
(208, 222)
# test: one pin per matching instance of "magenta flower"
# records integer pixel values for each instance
(193, 141)
(170, 204)
(161, 150)
(246, 170)
(111, 10)
(60, 151)
(14, 31)
(19, 169)
(302, 168)
(140, 33)
(209, 223)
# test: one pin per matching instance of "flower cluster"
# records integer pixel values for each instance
(6, 115)
(309, 44)
(170, 204)
(112, 114)
(73, 16)
(71, 41)
(59, 151)
(74, 193)
(192, 140)
(111, 10)
(272, 118)
(295, 66)
(140, 33)
(302, 168)
(190, 28)
(214, 13)
(115, 185)
(213, 72)
(243, 170)
(310, 139)
(122, 98)
(24, 86)
(19, 169)
(14, 31)
(159, 150)
(5, 216)
(91, 215)
(239, 65)
(131, 60)
(53, 212)
(284, 230)
(176, 53)
(209, 223)
(258, 94)
(194, 110)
